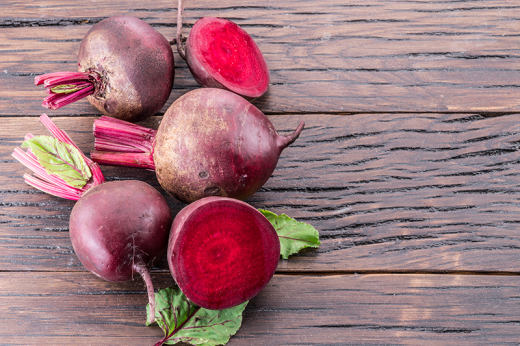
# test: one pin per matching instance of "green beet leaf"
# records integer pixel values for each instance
(66, 88)
(60, 159)
(183, 321)
(293, 235)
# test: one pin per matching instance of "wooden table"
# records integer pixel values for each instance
(408, 167)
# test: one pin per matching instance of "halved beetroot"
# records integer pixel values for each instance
(220, 54)
(222, 252)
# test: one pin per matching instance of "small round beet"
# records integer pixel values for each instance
(137, 62)
(126, 70)
(222, 252)
(220, 54)
(119, 227)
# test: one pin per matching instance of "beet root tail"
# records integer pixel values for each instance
(145, 274)
(285, 141)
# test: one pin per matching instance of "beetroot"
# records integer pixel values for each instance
(120, 227)
(220, 54)
(211, 142)
(116, 228)
(222, 252)
(126, 71)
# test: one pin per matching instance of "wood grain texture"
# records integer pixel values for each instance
(360, 56)
(387, 192)
(408, 168)
(80, 309)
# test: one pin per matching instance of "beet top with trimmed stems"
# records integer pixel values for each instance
(222, 252)
(211, 142)
(126, 71)
(220, 54)
(117, 228)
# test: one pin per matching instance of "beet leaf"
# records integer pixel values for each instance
(183, 321)
(293, 235)
(61, 159)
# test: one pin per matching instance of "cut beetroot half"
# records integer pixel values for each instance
(222, 252)
(222, 55)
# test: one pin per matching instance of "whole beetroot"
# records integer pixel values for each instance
(211, 142)
(119, 228)
(126, 70)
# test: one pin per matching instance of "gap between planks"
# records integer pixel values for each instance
(320, 273)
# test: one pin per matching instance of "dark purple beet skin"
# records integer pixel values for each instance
(125, 70)
(137, 63)
(118, 227)
(220, 54)
(212, 142)
(222, 252)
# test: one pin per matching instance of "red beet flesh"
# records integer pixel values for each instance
(222, 252)
(119, 226)
(126, 71)
(220, 54)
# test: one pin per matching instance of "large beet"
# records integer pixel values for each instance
(211, 142)
(222, 252)
(126, 71)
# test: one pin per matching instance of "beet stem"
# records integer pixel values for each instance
(121, 143)
(110, 158)
(62, 136)
(50, 183)
(43, 181)
(180, 48)
(285, 141)
(58, 100)
(67, 87)
(145, 274)
(60, 76)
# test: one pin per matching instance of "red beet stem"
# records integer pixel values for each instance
(51, 183)
(180, 48)
(120, 143)
(67, 87)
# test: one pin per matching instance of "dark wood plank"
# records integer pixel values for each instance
(364, 56)
(424, 205)
(387, 192)
(80, 309)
